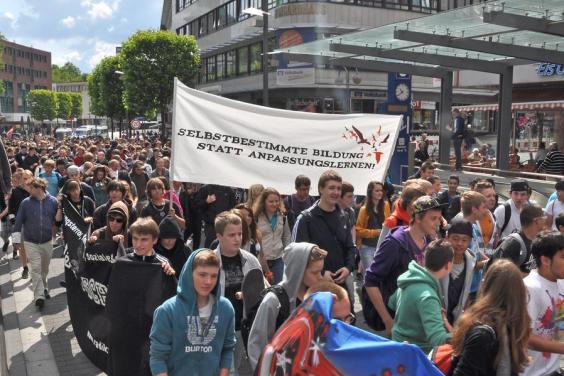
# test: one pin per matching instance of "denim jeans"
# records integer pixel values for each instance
(366, 256)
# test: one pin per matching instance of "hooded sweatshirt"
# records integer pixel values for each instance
(104, 233)
(179, 344)
(177, 255)
(417, 304)
(296, 256)
(392, 259)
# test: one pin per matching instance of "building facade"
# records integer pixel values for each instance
(231, 45)
(230, 41)
(22, 69)
(82, 88)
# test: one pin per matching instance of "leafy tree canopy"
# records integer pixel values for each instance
(150, 60)
(64, 105)
(67, 73)
(43, 104)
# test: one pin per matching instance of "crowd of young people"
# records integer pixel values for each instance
(435, 266)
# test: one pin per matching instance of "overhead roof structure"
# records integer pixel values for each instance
(488, 37)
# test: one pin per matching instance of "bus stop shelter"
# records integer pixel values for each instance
(490, 37)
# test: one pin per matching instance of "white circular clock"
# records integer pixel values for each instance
(402, 92)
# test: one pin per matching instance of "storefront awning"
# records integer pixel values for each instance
(525, 106)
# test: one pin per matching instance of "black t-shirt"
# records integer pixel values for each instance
(233, 269)
(158, 212)
(331, 219)
(511, 249)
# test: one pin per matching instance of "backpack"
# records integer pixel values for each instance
(497, 253)
(443, 356)
(507, 216)
(292, 217)
(283, 312)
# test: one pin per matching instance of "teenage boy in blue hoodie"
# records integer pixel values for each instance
(193, 333)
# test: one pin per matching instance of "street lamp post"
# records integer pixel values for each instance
(265, 99)
(121, 77)
(263, 12)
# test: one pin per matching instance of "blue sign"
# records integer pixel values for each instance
(399, 103)
(549, 69)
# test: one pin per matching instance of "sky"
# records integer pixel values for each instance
(79, 31)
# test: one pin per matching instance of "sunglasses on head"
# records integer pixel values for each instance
(111, 218)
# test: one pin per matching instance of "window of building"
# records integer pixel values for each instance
(231, 12)
(220, 61)
(203, 26)
(243, 60)
(211, 68)
(241, 6)
(221, 17)
(231, 63)
(256, 57)
(9, 88)
(211, 21)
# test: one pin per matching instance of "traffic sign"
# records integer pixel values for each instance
(135, 124)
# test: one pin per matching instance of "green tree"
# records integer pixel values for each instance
(67, 73)
(76, 105)
(106, 90)
(64, 105)
(150, 60)
(42, 104)
(94, 82)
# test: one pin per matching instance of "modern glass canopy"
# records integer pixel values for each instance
(509, 32)
(488, 37)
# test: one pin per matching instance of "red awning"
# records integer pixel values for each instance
(525, 106)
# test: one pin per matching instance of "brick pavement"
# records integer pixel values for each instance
(39, 344)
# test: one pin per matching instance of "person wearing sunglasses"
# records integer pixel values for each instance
(116, 225)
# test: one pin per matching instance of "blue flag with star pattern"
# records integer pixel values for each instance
(312, 343)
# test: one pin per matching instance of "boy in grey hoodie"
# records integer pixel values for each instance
(303, 265)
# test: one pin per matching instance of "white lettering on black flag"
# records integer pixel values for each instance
(221, 141)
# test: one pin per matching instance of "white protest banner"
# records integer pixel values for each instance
(216, 140)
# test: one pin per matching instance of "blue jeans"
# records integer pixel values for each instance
(366, 256)
(277, 269)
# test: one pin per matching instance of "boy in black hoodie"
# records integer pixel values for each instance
(171, 244)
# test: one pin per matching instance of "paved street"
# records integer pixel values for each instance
(39, 344)
(43, 344)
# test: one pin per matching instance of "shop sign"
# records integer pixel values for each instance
(300, 10)
(295, 76)
(368, 94)
(424, 105)
(549, 69)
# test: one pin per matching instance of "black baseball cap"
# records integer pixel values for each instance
(519, 185)
(460, 226)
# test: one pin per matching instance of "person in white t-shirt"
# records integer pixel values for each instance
(518, 198)
(555, 208)
(546, 305)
